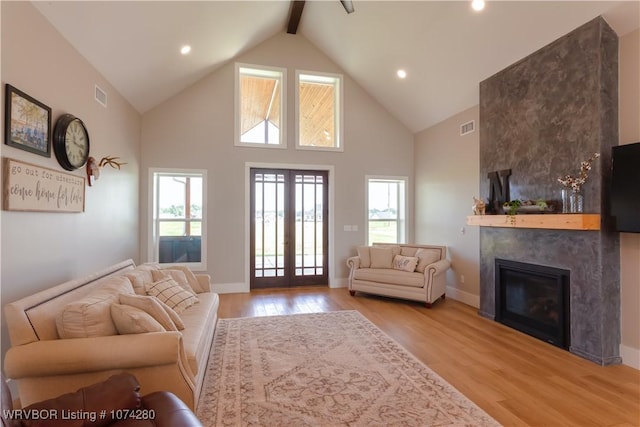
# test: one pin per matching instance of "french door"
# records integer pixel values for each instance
(289, 228)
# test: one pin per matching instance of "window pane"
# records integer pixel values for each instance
(172, 228)
(318, 111)
(195, 197)
(196, 228)
(260, 106)
(383, 231)
(383, 200)
(171, 197)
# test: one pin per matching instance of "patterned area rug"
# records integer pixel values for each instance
(324, 369)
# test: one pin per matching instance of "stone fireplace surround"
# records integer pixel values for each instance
(541, 117)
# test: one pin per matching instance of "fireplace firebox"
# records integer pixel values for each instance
(533, 299)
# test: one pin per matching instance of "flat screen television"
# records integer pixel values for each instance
(625, 187)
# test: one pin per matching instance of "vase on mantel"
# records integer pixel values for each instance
(576, 202)
(565, 200)
(572, 201)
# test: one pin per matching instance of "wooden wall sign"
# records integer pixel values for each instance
(30, 187)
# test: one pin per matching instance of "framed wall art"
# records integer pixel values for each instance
(32, 188)
(27, 122)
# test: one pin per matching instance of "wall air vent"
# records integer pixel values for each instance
(101, 96)
(468, 127)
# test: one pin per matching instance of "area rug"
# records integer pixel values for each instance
(323, 369)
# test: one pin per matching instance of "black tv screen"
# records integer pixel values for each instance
(625, 187)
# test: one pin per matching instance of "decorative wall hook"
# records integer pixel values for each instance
(93, 167)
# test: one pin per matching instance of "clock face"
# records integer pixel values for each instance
(76, 144)
(71, 142)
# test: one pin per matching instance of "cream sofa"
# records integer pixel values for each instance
(44, 365)
(413, 272)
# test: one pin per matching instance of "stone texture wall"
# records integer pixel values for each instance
(541, 117)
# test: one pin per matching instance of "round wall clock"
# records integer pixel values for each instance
(71, 142)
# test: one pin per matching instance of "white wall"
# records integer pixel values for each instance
(195, 130)
(629, 100)
(43, 249)
(447, 169)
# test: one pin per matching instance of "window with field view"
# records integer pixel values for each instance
(260, 106)
(178, 235)
(319, 111)
(386, 210)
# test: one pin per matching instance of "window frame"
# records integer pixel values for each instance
(339, 110)
(265, 71)
(403, 204)
(153, 241)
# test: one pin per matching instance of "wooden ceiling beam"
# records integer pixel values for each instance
(295, 15)
(348, 5)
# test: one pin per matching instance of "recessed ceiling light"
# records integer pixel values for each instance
(185, 49)
(401, 74)
(477, 5)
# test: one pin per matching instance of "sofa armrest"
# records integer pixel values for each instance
(82, 355)
(353, 262)
(169, 411)
(205, 281)
(437, 268)
(118, 392)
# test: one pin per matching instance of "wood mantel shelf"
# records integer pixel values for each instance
(549, 221)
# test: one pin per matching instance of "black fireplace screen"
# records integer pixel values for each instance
(533, 299)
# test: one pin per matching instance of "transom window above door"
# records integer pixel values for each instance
(260, 106)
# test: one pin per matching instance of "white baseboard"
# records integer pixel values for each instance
(464, 297)
(237, 288)
(230, 288)
(630, 356)
(339, 283)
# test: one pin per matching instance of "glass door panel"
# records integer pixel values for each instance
(288, 228)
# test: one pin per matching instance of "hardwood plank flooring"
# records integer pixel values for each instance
(517, 379)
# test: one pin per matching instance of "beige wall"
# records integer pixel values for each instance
(630, 243)
(43, 249)
(447, 169)
(195, 130)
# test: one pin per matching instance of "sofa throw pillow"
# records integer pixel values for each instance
(132, 320)
(191, 278)
(151, 306)
(365, 258)
(408, 251)
(138, 279)
(426, 257)
(172, 294)
(177, 275)
(381, 257)
(175, 317)
(405, 263)
(91, 315)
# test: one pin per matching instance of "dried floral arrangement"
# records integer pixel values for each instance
(575, 183)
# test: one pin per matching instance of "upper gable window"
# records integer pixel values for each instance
(260, 106)
(319, 111)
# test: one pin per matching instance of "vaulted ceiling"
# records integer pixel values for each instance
(445, 47)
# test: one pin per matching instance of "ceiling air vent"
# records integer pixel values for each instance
(468, 127)
(101, 96)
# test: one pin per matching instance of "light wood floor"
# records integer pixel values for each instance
(518, 380)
